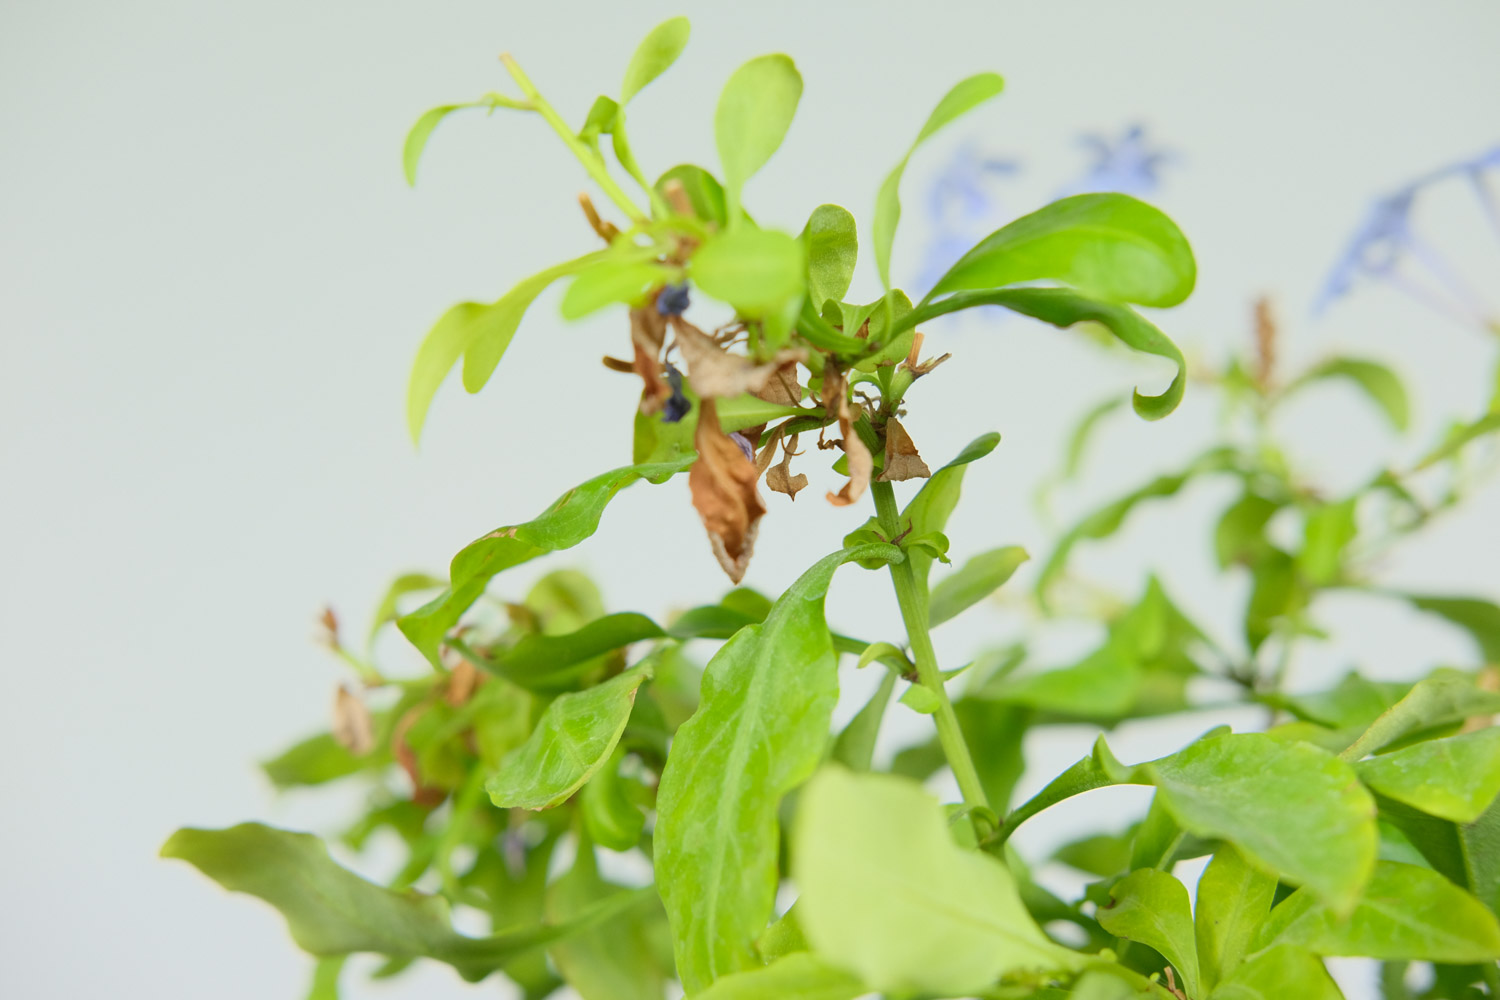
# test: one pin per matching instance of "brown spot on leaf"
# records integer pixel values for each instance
(901, 459)
(722, 482)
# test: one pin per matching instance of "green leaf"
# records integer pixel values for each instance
(1480, 618)
(613, 280)
(967, 94)
(1237, 788)
(480, 334)
(657, 51)
(739, 412)
(612, 820)
(798, 976)
(406, 583)
(1459, 439)
(571, 741)
(977, 579)
(331, 911)
(1279, 974)
(1101, 687)
(317, 760)
(1445, 697)
(1405, 912)
(928, 511)
(1152, 907)
(832, 247)
(887, 894)
(1234, 899)
(573, 517)
(1234, 787)
(855, 746)
(703, 190)
(1455, 778)
(1108, 519)
(755, 110)
(416, 139)
(1062, 308)
(325, 983)
(754, 270)
(1380, 383)
(1108, 246)
(1329, 529)
(610, 961)
(921, 699)
(762, 726)
(1240, 535)
(1353, 702)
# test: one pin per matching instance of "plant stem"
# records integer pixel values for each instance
(592, 161)
(914, 614)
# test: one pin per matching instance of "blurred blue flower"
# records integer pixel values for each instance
(677, 405)
(962, 208)
(1130, 165)
(1388, 238)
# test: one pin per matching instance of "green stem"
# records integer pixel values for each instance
(591, 160)
(914, 614)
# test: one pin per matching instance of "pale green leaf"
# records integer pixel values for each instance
(1459, 439)
(965, 95)
(571, 741)
(1152, 907)
(1282, 973)
(612, 820)
(1328, 530)
(611, 281)
(703, 190)
(1108, 246)
(1234, 899)
(754, 112)
(977, 579)
(1445, 697)
(1405, 912)
(1382, 385)
(797, 976)
(761, 728)
(406, 583)
(1455, 778)
(331, 911)
(416, 139)
(887, 894)
(832, 247)
(754, 270)
(656, 53)
(610, 961)
(1063, 307)
(573, 517)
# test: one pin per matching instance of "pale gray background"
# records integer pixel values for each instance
(213, 280)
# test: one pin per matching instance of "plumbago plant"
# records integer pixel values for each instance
(547, 735)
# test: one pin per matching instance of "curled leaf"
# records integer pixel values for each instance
(782, 387)
(352, 726)
(779, 477)
(861, 464)
(722, 481)
(901, 459)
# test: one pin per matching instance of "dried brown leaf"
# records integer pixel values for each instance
(901, 459)
(714, 373)
(781, 387)
(352, 726)
(648, 331)
(421, 794)
(463, 681)
(780, 478)
(861, 464)
(722, 482)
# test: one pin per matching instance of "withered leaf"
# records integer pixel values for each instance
(861, 464)
(722, 482)
(780, 478)
(714, 372)
(648, 331)
(781, 387)
(352, 726)
(422, 794)
(901, 459)
(463, 680)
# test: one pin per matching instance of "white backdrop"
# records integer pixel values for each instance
(213, 280)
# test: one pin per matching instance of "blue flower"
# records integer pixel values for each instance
(961, 208)
(1388, 238)
(1132, 165)
(673, 300)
